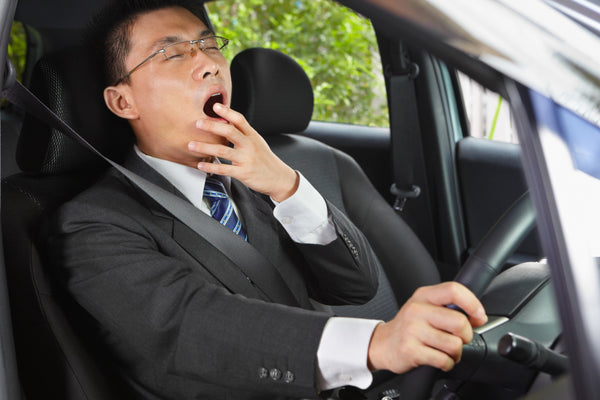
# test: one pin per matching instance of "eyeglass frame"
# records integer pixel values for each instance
(163, 51)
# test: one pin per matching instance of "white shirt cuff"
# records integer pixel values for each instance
(304, 216)
(342, 353)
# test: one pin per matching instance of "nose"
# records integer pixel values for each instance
(204, 66)
(214, 70)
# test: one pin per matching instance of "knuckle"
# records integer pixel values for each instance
(223, 151)
(441, 361)
(456, 345)
(447, 364)
(459, 322)
(454, 289)
(458, 353)
(412, 309)
(420, 291)
(462, 329)
(468, 334)
(237, 117)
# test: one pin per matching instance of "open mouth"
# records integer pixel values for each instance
(212, 100)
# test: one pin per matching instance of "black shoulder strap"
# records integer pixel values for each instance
(406, 128)
(244, 255)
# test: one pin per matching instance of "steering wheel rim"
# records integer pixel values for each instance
(501, 241)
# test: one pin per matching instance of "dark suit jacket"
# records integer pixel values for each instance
(183, 321)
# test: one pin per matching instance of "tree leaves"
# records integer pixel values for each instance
(336, 47)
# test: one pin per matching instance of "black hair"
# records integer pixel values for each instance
(108, 35)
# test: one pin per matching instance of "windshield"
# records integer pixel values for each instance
(572, 144)
(566, 180)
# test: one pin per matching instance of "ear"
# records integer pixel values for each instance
(120, 102)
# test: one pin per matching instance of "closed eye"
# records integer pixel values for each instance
(174, 56)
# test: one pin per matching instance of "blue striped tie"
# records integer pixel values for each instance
(221, 208)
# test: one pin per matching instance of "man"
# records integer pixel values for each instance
(182, 320)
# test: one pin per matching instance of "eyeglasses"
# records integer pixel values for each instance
(181, 51)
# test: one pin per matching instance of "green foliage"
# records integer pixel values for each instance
(336, 47)
(17, 48)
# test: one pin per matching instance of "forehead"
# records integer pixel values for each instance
(154, 29)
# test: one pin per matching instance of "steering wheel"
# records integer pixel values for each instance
(481, 267)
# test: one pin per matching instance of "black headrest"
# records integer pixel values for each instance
(272, 91)
(70, 84)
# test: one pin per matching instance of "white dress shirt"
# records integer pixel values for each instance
(342, 352)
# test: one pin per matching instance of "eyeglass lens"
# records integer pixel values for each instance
(176, 50)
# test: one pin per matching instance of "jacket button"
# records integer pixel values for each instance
(289, 377)
(275, 374)
(263, 373)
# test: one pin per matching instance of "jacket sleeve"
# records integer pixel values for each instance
(344, 271)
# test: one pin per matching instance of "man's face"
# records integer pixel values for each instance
(168, 96)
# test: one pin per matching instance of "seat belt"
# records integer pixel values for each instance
(407, 153)
(405, 124)
(251, 262)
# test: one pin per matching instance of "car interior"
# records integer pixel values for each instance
(466, 186)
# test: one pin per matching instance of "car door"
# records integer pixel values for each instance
(467, 180)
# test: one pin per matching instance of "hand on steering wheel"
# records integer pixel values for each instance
(424, 332)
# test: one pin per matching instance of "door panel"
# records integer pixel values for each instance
(491, 179)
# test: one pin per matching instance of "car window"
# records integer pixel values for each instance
(343, 64)
(17, 48)
(488, 113)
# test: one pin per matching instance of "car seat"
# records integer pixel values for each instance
(275, 95)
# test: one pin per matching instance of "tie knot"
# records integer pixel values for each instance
(214, 188)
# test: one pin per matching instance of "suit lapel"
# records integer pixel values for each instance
(264, 283)
(256, 216)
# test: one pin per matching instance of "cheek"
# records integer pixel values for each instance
(227, 79)
(166, 101)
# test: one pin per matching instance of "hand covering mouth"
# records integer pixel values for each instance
(212, 100)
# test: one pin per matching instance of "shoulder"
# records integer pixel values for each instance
(112, 195)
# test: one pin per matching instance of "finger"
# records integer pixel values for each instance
(440, 318)
(454, 293)
(235, 118)
(443, 341)
(435, 358)
(217, 169)
(227, 131)
(452, 322)
(211, 149)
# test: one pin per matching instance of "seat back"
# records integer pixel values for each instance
(56, 359)
(275, 95)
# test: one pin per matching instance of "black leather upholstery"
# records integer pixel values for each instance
(274, 95)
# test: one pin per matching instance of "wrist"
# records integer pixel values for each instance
(288, 187)
(374, 354)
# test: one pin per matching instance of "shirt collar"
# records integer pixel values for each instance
(189, 181)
